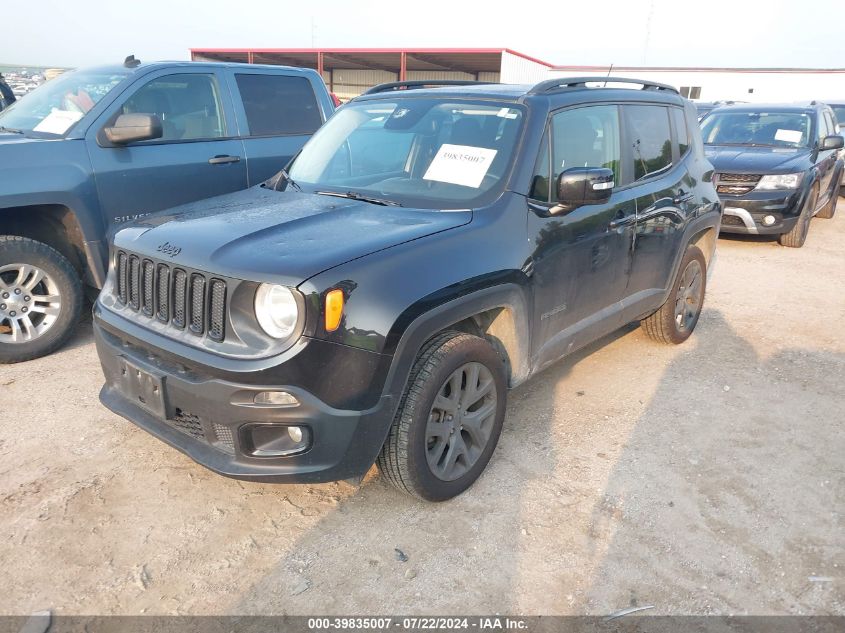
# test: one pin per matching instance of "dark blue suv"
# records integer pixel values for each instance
(101, 146)
(427, 250)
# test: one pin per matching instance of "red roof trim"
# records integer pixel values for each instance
(687, 69)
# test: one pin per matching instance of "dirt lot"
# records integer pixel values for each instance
(708, 478)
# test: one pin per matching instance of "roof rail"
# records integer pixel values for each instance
(567, 83)
(421, 83)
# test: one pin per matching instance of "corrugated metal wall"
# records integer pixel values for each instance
(518, 70)
(347, 84)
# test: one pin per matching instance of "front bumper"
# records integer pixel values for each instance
(207, 417)
(744, 214)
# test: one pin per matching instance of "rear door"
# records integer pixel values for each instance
(277, 112)
(198, 156)
(657, 144)
(826, 160)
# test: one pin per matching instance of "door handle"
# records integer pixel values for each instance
(222, 159)
(620, 222)
(682, 197)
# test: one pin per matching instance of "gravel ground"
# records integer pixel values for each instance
(706, 478)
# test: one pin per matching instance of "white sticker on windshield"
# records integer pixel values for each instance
(460, 165)
(58, 122)
(788, 136)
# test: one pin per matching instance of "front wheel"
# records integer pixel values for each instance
(40, 299)
(797, 235)
(449, 419)
(829, 210)
(676, 319)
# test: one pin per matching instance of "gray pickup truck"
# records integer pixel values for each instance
(97, 147)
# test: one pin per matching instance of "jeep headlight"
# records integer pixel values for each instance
(276, 310)
(780, 181)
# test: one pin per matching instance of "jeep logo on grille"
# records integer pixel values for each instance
(168, 249)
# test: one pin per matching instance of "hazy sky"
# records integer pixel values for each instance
(632, 32)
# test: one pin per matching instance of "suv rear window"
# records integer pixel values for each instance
(651, 140)
(278, 104)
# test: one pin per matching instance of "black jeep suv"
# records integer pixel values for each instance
(777, 166)
(428, 249)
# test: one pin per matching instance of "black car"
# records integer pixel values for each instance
(777, 166)
(428, 249)
(838, 108)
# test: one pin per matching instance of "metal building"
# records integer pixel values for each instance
(350, 71)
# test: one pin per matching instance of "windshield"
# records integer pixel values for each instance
(52, 109)
(419, 152)
(775, 129)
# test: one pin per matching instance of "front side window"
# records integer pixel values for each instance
(188, 106)
(767, 129)
(586, 137)
(278, 104)
(55, 107)
(651, 139)
(420, 152)
(839, 111)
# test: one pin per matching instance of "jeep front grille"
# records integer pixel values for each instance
(736, 184)
(172, 295)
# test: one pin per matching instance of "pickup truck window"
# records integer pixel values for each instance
(278, 105)
(187, 104)
(55, 107)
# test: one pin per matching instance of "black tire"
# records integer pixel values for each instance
(64, 282)
(829, 210)
(405, 456)
(797, 235)
(688, 289)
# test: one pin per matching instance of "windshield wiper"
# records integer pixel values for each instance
(11, 130)
(289, 180)
(352, 195)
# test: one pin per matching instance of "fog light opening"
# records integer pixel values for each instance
(274, 440)
(275, 399)
(769, 220)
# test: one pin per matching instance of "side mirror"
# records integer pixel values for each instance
(832, 142)
(580, 186)
(131, 128)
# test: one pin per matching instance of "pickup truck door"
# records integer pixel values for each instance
(277, 112)
(198, 156)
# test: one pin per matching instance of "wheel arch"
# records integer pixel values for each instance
(496, 313)
(57, 226)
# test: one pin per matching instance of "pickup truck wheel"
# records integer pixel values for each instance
(796, 237)
(829, 210)
(449, 420)
(676, 319)
(40, 299)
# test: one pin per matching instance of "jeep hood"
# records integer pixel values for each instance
(284, 237)
(757, 160)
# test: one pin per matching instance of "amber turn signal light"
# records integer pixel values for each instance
(334, 309)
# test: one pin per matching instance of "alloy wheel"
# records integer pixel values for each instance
(688, 297)
(30, 303)
(460, 421)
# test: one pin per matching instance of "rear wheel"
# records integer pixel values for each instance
(829, 209)
(40, 299)
(449, 420)
(676, 319)
(796, 237)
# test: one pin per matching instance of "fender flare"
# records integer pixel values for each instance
(510, 296)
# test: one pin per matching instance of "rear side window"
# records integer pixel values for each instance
(651, 140)
(681, 130)
(278, 105)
